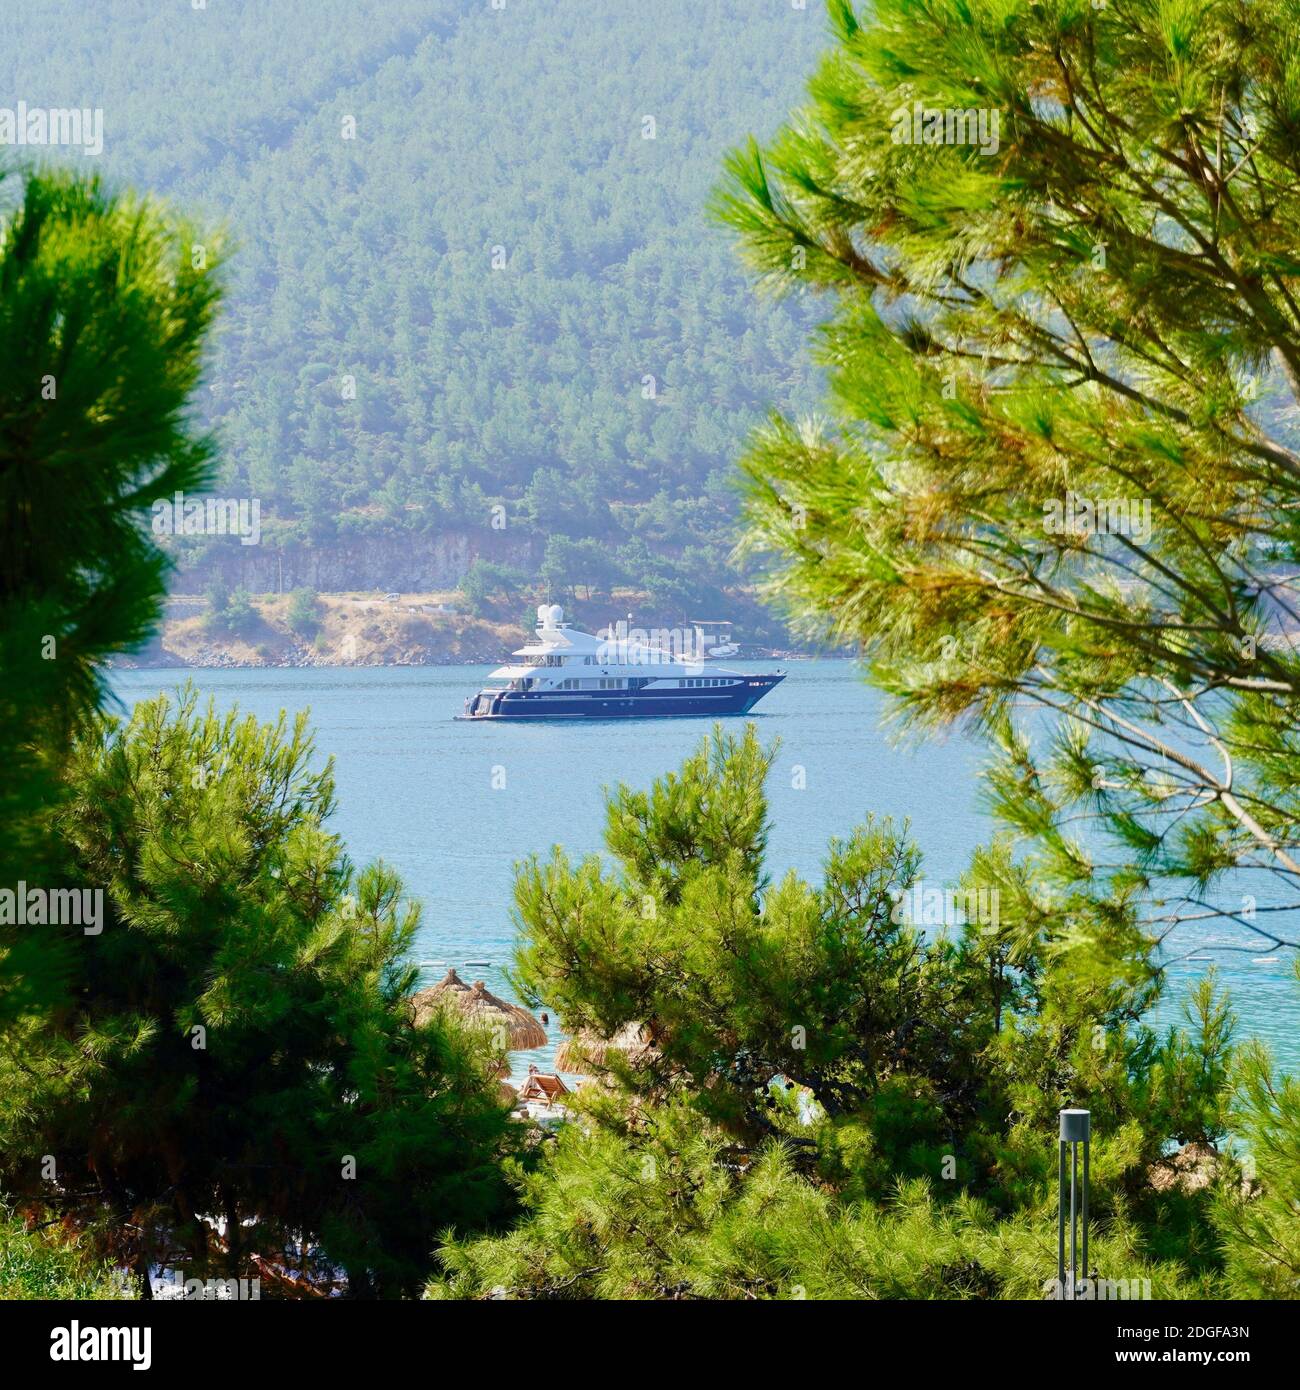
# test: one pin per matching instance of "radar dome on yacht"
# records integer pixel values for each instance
(554, 615)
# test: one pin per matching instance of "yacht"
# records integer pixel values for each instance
(568, 674)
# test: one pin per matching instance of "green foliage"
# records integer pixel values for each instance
(103, 318)
(240, 1027)
(1190, 1081)
(1103, 310)
(666, 1213)
(486, 581)
(1257, 1220)
(230, 613)
(217, 600)
(569, 564)
(826, 1100)
(102, 324)
(37, 1265)
(304, 613)
(240, 616)
(735, 987)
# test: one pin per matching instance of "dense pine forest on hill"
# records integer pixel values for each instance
(499, 292)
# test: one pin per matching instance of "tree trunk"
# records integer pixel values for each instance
(140, 1267)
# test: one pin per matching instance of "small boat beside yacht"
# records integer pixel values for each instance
(568, 674)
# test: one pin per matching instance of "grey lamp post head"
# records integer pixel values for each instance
(1076, 1126)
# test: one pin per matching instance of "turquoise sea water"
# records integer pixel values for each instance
(415, 787)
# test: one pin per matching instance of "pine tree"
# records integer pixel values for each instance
(1061, 249)
(1256, 1219)
(236, 1043)
(105, 303)
(803, 1094)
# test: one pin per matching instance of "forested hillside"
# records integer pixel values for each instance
(464, 275)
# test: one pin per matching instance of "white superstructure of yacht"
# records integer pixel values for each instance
(569, 674)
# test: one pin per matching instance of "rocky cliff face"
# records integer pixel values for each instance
(417, 563)
(348, 630)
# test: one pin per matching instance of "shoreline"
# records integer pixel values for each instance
(310, 663)
(357, 629)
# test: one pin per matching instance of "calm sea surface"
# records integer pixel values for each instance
(415, 787)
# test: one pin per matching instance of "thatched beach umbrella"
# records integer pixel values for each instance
(520, 1029)
(587, 1052)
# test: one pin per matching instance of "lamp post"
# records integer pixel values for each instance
(1076, 1133)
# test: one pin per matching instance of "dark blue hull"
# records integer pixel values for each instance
(671, 703)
